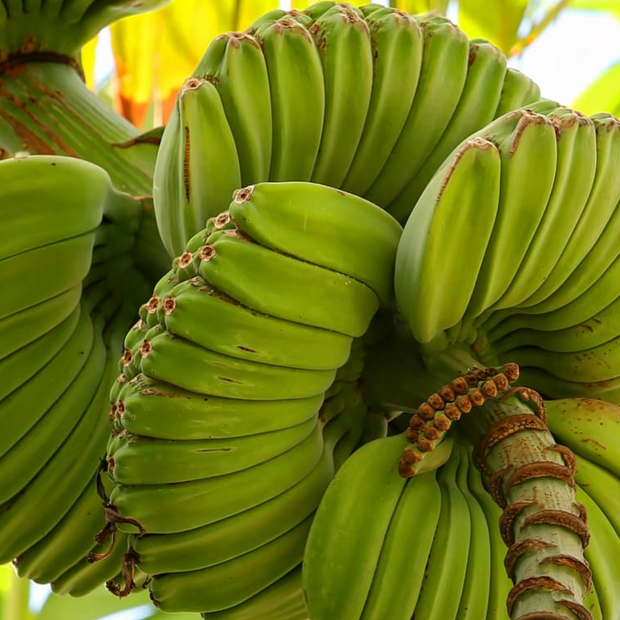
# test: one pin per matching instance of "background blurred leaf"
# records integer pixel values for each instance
(88, 61)
(603, 94)
(421, 6)
(611, 6)
(155, 52)
(100, 603)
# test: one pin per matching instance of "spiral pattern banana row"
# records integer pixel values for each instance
(238, 395)
(532, 201)
(62, 323)
(352, 98)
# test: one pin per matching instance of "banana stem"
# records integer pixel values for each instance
(532, 479)
(46, 108)
(16, 604)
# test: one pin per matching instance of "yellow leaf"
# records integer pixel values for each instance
(421, 6)
(89, 52)
(156, 52)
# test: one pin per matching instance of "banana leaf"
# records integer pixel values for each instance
(603, 94)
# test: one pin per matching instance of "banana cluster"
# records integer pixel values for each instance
(531, 200)
(61, 325)
(379, 541)
(238, 396)
(352, 98)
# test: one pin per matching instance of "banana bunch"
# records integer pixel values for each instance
(62, 323)
(531, 200)
(347, 97)
(238, 396)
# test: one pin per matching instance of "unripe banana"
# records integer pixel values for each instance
(517, 91)
(323, 226)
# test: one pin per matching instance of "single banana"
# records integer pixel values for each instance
(396, 39)
(518, 90)
(47, 199)
(144, 460)
(173, 360)
(34, 276)
(179, 507)
(235, 65)
(197, 166)
(192, 308)
(350, 526)
(228, 584)
(323, 226)
(476, 588)
(343, 41)
(431, 290)
(441, 595)
(282, 600)
(499, 583)
(163, 411)
(589, 427)
(445, 52)
(346, 305)
(604, 547)
(475, 109)
(297, 98)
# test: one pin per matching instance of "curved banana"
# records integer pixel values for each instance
(163, 411)
(297, 98)
(346, 306)
(396, 39)
(323, 226)
(235, 65)
(192, 308)
(475, 109)
(517, 91)
(431, 291)
(350, 526)
(445, 52)
(342, 39)
(197, 166)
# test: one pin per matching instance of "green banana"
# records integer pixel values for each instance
(445, 52)
(235, 65)
(297, 98)
(238, 534)
(346, 305)
(343, 41)
(144, 460)
(431, 291)
(29, 454)
(34, 276)
(192, 308)
(188, 366)
(395, 587)
(25, 327)
(396, 39)
(590, 428)
(39, 392)
(350, 526)
(441, 595)
(162, 411)
(595, 215)
(475, 109)
(517, 91)
(197, 166)
(53, 198)
(474, 601)
(604, 546)
(282, 600)
(176, 508)
(323, 226)
(528, 147)
(224, 585)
